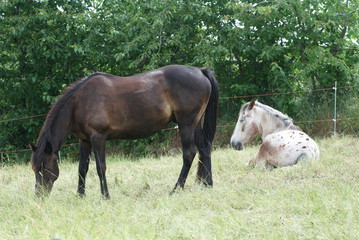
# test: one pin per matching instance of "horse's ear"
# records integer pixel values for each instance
(251, 104)
(48, 148)
(33, 147)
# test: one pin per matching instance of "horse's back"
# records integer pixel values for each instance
(140, 105)
(286, 148)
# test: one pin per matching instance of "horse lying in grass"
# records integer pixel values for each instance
(284, 144)
(104, 106)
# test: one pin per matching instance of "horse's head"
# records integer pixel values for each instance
(246, 127)
(44, 164)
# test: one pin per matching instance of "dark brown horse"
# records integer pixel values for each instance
(103, 106)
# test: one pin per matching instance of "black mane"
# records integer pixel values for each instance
(288, 122)
(45, 135)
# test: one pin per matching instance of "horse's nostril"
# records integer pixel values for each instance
(237, 145)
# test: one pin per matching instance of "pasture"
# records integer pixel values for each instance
(311, 201)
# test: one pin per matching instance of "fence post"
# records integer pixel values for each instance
(335, 110)
(59, 156)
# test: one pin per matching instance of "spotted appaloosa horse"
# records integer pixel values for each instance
(284, 144)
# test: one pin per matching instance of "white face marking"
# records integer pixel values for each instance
(245, 128)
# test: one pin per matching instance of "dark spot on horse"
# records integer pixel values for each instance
(307, 139)
(304, 147)
(299, 143)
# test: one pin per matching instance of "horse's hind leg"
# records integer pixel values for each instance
(85, 151)
(204, 171)
(98, 145)
(189, 151)
(302, 158)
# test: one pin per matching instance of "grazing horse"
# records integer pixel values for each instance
(103, 106)
(284, 144)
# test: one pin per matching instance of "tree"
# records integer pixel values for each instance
(38, 58)
(280, 46)
(253, 46)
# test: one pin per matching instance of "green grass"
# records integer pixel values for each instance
(312, 201)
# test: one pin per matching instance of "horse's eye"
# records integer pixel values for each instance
(241, 120)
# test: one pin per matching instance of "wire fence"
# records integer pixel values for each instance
(281, 93)
(334, 119)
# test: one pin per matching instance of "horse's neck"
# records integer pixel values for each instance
(60, 128)
(60, 134)
(267, 124)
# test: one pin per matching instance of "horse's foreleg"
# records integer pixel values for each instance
(263, 158)
(189, 151)
(85, 151)
(204, 171)
(252, 162)
(98, 145)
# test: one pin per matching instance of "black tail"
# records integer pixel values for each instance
(210, 118)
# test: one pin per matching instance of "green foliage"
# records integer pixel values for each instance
(253, 46)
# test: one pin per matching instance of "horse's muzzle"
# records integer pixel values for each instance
(237, 145)
(43, 190)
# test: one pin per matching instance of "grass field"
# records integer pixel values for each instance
(311, 201)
